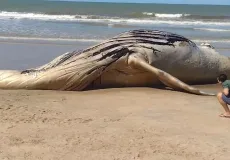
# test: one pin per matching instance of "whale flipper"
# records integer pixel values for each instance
(165, 77)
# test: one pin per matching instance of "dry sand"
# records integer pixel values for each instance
(112, 124)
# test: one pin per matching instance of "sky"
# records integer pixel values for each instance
(220, 2)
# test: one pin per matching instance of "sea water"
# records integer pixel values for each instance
(95, 22)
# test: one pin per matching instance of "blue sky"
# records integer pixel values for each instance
(221, 2)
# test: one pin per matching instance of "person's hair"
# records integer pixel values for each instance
(222, 77)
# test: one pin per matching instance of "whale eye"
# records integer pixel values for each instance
(207, 45)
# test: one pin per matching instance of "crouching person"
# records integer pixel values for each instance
(224, 96)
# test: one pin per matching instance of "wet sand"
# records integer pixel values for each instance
(117, 124)
(28, 54)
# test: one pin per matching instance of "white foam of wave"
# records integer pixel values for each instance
(148, 13)
(171, 15)
(164, 15)
(213, 29)
(20, 15)
(173, 22)
(87, 18)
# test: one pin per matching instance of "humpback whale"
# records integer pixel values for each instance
(135, 58)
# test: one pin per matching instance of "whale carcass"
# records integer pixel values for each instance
(133, 58)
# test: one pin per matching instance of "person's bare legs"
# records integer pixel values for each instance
(224, 105)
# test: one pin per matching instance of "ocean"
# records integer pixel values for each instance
(84, 22)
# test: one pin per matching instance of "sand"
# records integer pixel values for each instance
(112, 124)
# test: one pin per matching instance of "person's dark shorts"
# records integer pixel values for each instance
(226, 99)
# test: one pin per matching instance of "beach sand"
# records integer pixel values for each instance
(122, 123)
(108, 124)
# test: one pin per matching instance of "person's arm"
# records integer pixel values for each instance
(226, 91)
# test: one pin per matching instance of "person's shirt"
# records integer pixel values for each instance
(226, 84)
